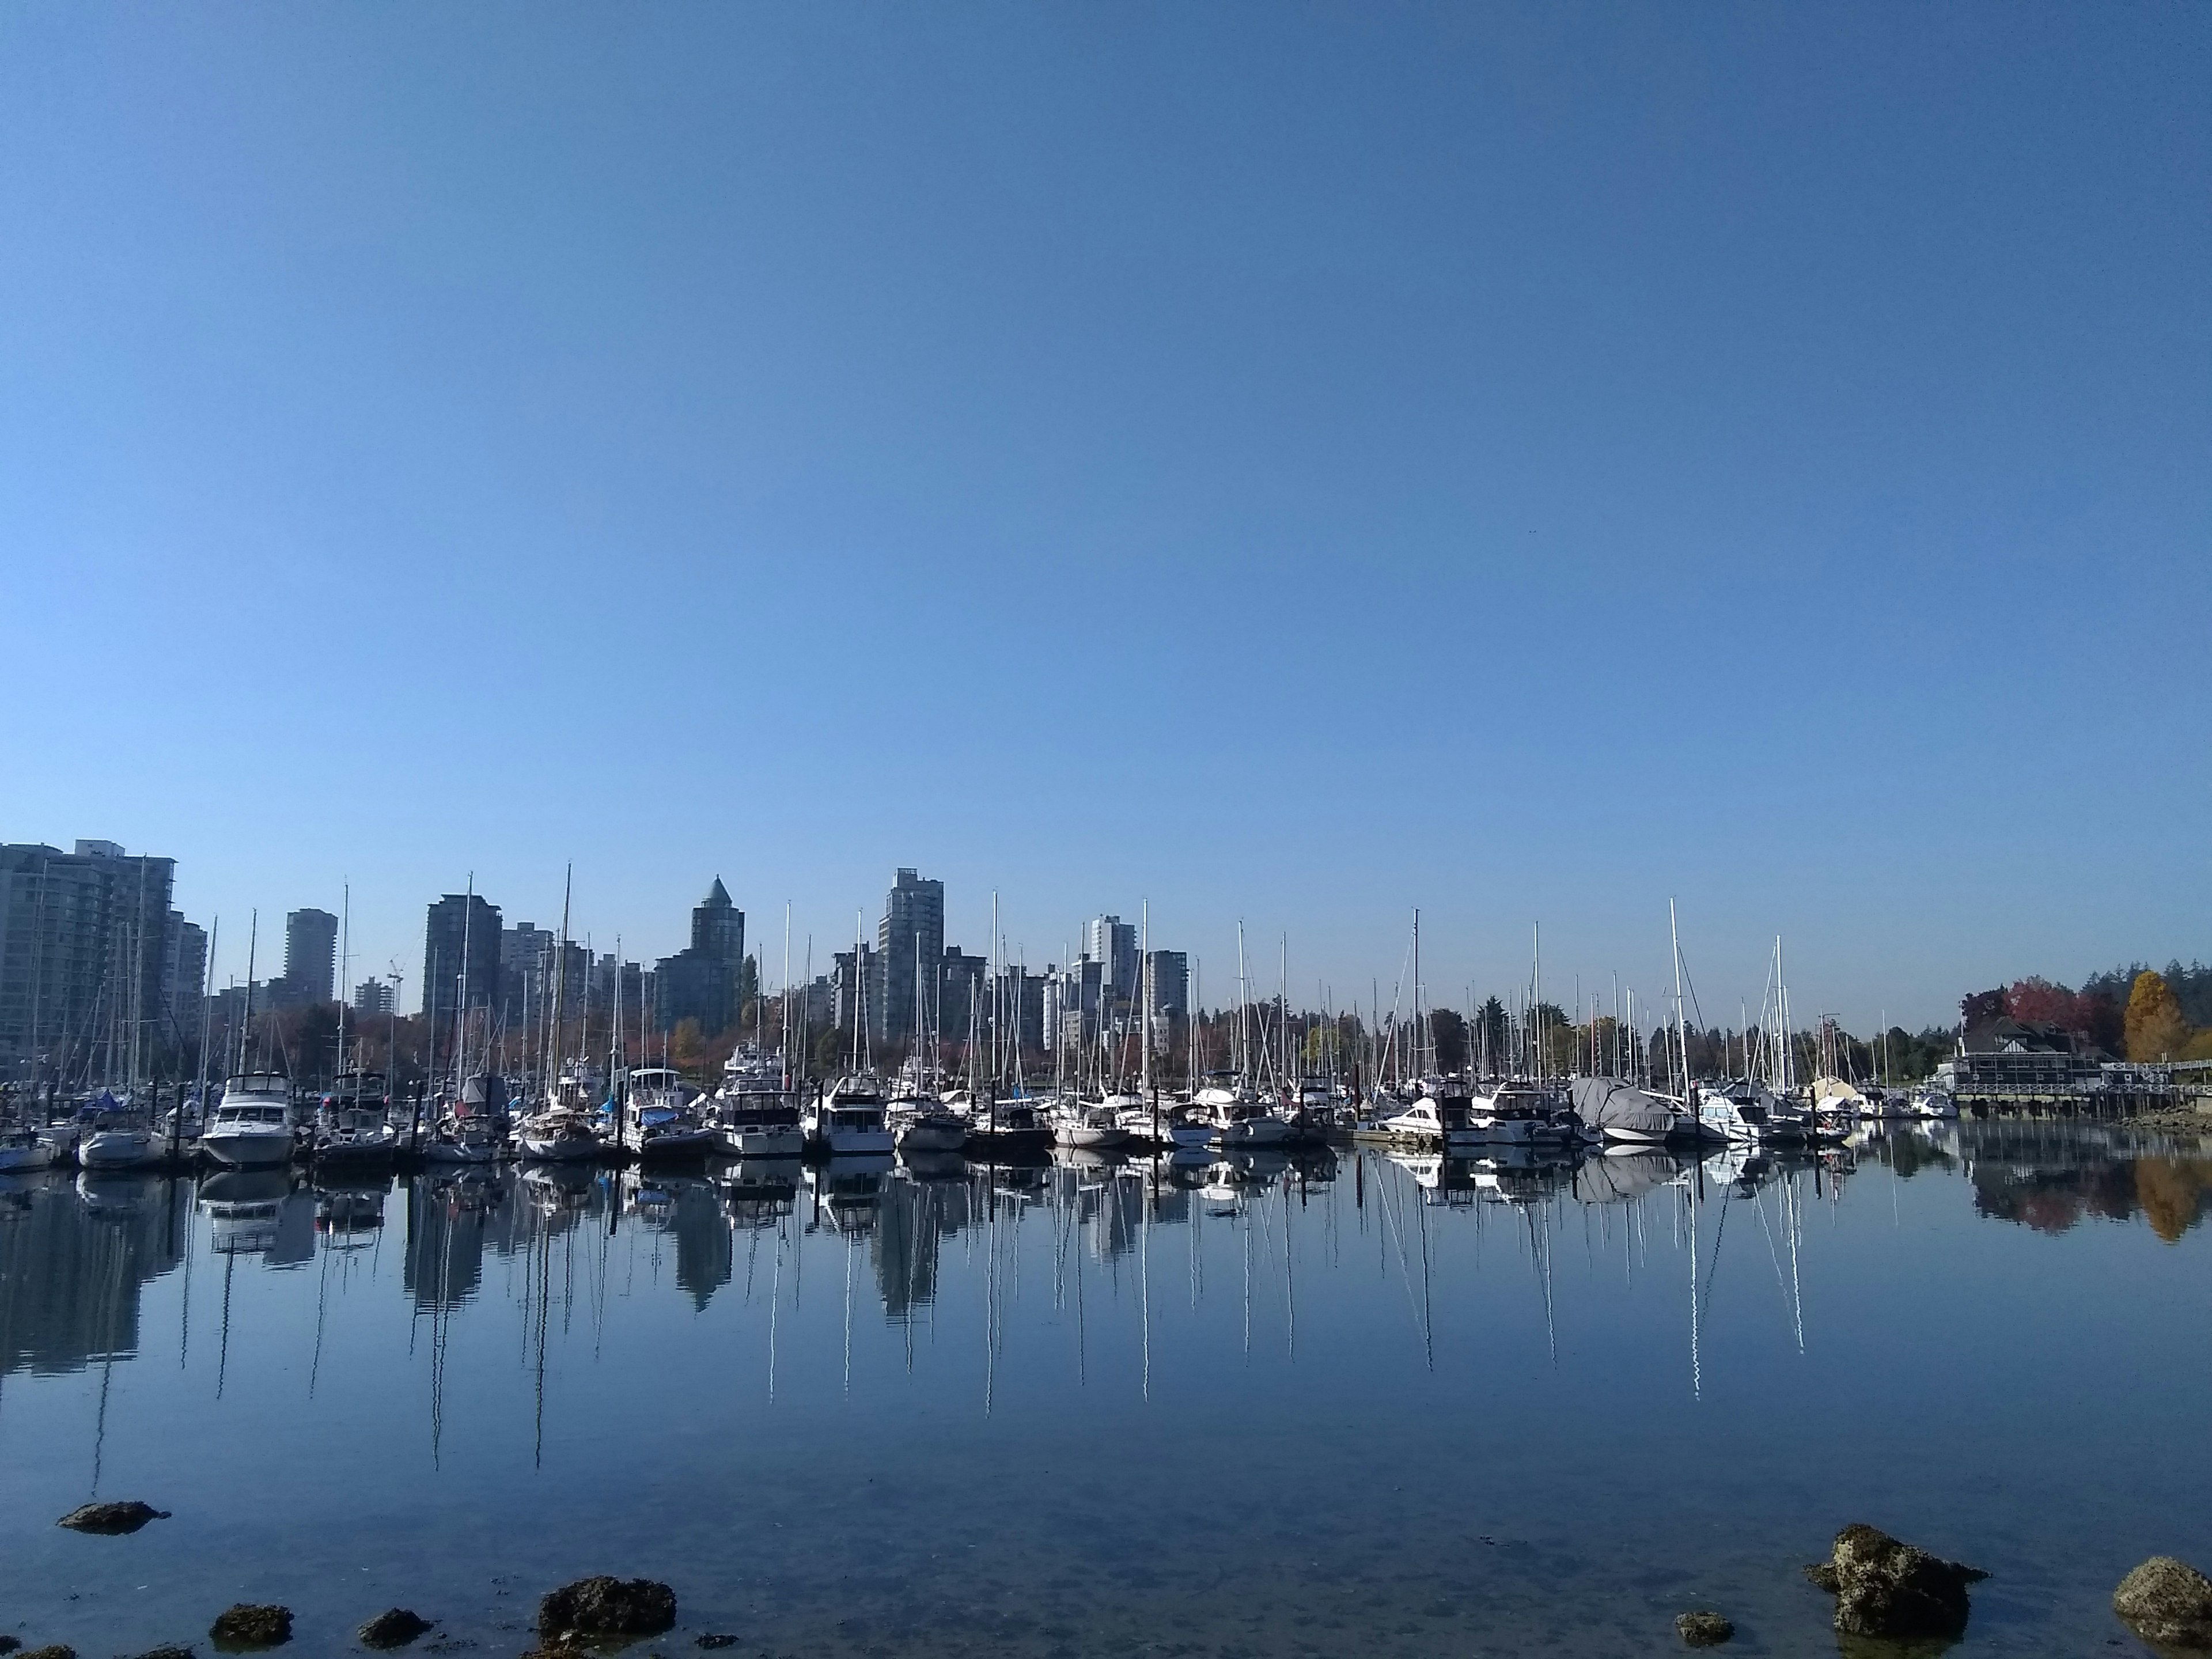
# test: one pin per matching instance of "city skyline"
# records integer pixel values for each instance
(1204, 979)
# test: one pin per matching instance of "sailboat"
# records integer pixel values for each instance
(560, 1131)
(850, 1117)
(919, 1120)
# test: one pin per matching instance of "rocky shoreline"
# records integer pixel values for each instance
(1887, 1591)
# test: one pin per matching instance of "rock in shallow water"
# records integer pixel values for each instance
(55, 1650)
(2167, 1602)
(245, 1624)
(606, 1607)
(1886, 1589)
(395, 1628)
(1704, 1630)
(166, 1650)
(112, 1519)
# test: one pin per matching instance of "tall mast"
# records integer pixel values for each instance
(252, 941)
(1420, 1026)
(1243, 1016)
(461, 1003)
(560, 985)
(1536, 1010)
(615, 1024)
(1681, 1035)
(1144, 989)
(345, 952)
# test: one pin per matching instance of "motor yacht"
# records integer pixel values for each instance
(849, 1118)
(357, 1135)
(251, 1128)
(1445, 1120)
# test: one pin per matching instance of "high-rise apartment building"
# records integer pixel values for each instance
(1170, 977)
(461, 954)
(1112, 943)
(184, 979)
(372, 998)
(909, 938)
(960, 994)
(702, 981)
(84, 943)
(311, 954)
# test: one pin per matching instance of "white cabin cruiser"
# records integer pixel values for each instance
(849, 1118)
(251, 1128)
(1449, 1120)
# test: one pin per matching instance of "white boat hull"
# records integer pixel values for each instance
(23, 1160)
(119, 1149)
(1089, 1138)
(774, 1140)
(257, 1150)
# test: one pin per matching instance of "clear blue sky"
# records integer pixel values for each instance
(1289, 462)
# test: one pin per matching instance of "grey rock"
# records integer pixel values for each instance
(1703, 1629)
(395, 1628)
(2168, 1603)
(166, 1650)
(606, 1607)
(53, 1650)
(1886, 1589)
(111, 1519)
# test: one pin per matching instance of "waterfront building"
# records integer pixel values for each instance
(85, 942)
(909, 937)
(2008, 1056)
(463, 933)
(373, 997)
(702, 981)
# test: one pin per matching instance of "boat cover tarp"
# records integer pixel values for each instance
(1601, 1101)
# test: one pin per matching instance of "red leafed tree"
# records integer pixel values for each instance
(2037, 998)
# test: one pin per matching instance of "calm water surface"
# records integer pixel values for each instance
(1362, 1404)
